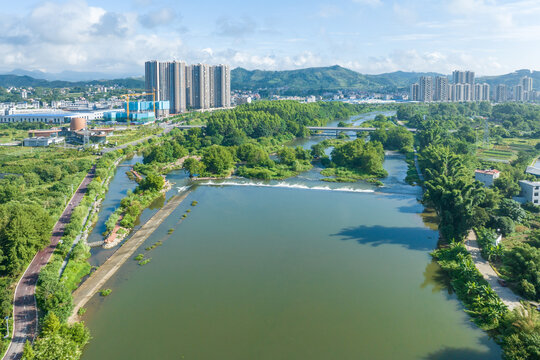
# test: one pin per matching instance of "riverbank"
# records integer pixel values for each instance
(97, 279)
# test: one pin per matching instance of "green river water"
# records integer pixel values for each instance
(298, 269)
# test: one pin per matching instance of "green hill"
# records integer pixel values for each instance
(511, 79)
(321, 78)
(28, 81)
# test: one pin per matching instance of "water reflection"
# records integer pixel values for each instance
(409, 237)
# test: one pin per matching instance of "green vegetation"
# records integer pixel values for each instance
(57, 340)
(105, 292)
(144, 262)
(319, 80)
(139, 257)
(153, 246)
(194, 203)
(482, 303)
(448, 161)
(81, 311)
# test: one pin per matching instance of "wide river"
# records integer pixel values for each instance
(298, 269)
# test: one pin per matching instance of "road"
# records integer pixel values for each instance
(25, 314)
(507, 296)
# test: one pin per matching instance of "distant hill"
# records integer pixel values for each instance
(28, 81)
(511, 79)
(68, 75)
(322, 78)
(301, 81)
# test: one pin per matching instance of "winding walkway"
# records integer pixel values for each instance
(507, 296)
(25, 313)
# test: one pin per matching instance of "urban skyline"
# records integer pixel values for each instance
(198, 86)
(464, 88)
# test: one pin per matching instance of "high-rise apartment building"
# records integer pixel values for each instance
(465, 77)
(426, 88)
(518, 93)
(501, 93)
(527, 83)
(486, 92)
(441, 89)
(198, 86)
(415, 92)
(221, 86)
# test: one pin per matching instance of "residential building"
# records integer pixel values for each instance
(465, 77)
(518, 93)
(501, 93)
(441, 89)
(530, 191)
(486, 92)
(426, 88)
(199, 86)
(415, 92)
(487, 177)
(527, 83)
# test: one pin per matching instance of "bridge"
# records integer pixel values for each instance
(338, 129)
(310, 128)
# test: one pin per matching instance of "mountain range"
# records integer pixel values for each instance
(299, 81)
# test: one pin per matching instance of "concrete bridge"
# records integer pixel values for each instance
(337, 129)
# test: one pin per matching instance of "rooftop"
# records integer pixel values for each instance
(531, 183)
(533, 170)
(488, 172)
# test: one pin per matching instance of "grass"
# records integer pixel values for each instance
(347, 175)
(144, 262)
(153, 246)
(194, 203)
(171, 230)
(105, 292)
(139, 257)
(81, 311)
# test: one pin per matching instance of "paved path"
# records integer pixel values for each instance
(507, 296)
(95, 282)
(25, 315)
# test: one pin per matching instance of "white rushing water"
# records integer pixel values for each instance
(286, 185)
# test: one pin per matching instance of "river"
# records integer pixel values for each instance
(295, 269)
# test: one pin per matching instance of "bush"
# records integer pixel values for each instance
(105, 292)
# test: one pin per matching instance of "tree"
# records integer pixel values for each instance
(152, 182)
(217, 159)
(193, 166)
(512, 209)
(286, 155)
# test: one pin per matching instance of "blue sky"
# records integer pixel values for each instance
(371, 36)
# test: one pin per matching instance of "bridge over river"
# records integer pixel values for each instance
(323, 129)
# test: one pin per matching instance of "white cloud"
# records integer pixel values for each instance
(159, 17)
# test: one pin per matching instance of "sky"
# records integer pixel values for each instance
(490, 37)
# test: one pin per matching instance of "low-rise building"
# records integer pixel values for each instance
(487, 177)
(42, 141)
(530, 191)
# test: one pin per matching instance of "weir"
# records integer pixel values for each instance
(105, 271)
